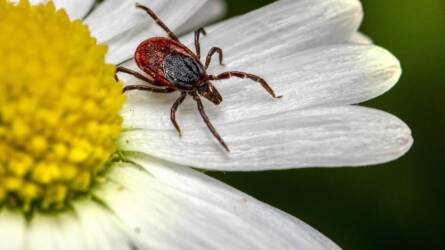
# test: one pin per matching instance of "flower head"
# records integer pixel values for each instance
(59, 123)
(59, 115)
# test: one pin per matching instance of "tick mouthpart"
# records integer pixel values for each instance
(209, 92)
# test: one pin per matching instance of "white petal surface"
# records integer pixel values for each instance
(12, 228)
(211, 11)
(325, 136)
(282, 28)
(332, 75)
(119, 24)
(49, 232)
(100, 228)
(75, 9)
(177, 208)
(91, 228)
(360, 38)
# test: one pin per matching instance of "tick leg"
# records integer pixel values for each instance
(158, 21)
(174, 109)
(207, 121)
(135, 74)
(147, 88)
(227, 75)
(210, 54)
(197, 45)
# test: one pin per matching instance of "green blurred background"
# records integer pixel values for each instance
(398, 205)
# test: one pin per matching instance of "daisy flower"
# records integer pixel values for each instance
(81, 167)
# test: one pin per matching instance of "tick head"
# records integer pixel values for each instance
(208, 91)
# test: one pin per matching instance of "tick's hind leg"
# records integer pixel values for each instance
(158, 21)
(175, 106)
(210, 54)
(207, 121)
(230, 74)
(147, 88)
(197, 44)
(135, 74)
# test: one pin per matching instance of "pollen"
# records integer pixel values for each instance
(59, 107)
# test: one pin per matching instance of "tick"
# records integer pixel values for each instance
(174, 67)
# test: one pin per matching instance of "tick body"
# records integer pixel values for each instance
(173, 67)
(169, 63)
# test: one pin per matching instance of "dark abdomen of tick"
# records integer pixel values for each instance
(169, 63)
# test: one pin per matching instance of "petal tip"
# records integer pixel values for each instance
(387, 64)
(361, 39)
(354, 5)
(405, 141)
(401, 139)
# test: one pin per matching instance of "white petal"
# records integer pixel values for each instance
(325, 136)
(91, 227)
(360, 38)
(12, 228)
(54, 231)
(100, 227)
(333, 75)
(119, 24)
(211, 11)
(282, 28)
(75, 9)
(177, 208)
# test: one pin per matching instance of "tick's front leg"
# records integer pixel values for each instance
(210, 54)
(197, 43)
(230, 74)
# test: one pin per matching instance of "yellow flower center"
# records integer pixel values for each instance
(59, 107)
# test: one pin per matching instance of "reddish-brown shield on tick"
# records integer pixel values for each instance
(174, 67)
